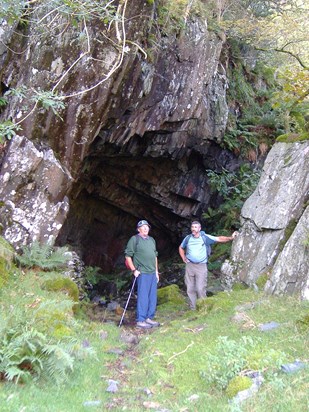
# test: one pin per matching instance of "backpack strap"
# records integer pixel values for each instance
(136, 242)
(203, 234)
(208, 247)
(186, 240)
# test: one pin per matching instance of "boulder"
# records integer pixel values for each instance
(274, 226)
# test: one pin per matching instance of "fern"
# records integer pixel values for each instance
(27, 353)
(43, 256)
(30, 348)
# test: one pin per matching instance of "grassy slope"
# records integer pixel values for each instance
(171, 363)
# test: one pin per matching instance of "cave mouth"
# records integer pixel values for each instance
(113, 194)
(120, 186)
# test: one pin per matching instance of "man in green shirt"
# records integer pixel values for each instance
(141, 257)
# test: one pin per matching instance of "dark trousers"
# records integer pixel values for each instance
(146, 296)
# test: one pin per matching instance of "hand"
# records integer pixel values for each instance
(136, 273)
(235, 234)
(157, 276)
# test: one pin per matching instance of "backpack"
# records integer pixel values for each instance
(137, 238)
(203, 234)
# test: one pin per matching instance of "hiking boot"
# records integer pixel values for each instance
(143, 325)
(151, 322)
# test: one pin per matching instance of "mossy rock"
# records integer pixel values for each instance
(62, 284)
(238, 384)
(293, 137)
(170, 295)
(6, 261)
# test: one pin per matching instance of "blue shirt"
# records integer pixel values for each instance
(196, 250)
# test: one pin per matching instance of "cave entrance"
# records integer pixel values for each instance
(144, 179)
(115, 191)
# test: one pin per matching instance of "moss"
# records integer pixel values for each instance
(61, 331)
(261, 281)
(221, 301)
(237, 384)
(6, 250)
(287, 233)
(303, 323)
(62, 284)
(240, 286)
(6, 261)
(293, 137)
(171, 295)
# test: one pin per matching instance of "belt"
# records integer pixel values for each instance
(198, 263)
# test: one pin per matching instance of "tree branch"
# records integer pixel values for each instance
(281, 50)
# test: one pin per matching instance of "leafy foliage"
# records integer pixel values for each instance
(49, 100)
(231, 357)
(235, 188)
(92, 274)
(8, 130)
(24, 11)
(43, 256)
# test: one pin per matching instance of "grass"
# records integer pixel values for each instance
(182, 366)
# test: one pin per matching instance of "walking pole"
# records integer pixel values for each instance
(120, 323)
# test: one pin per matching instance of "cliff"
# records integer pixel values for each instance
(136, 145)
(138, 120)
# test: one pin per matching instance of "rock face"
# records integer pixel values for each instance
(136, 145)
(142, 124)
(274, 233)
(33, 188)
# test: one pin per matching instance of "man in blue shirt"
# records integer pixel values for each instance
(193, 252)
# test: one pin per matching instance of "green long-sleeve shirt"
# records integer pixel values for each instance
(143, 253)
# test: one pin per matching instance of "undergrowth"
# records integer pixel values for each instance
(185, 365)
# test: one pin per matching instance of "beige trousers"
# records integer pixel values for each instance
(196, 281)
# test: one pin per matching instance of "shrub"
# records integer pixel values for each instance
(228, 359)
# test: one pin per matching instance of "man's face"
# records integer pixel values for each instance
(143, 230)
(195, 229)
